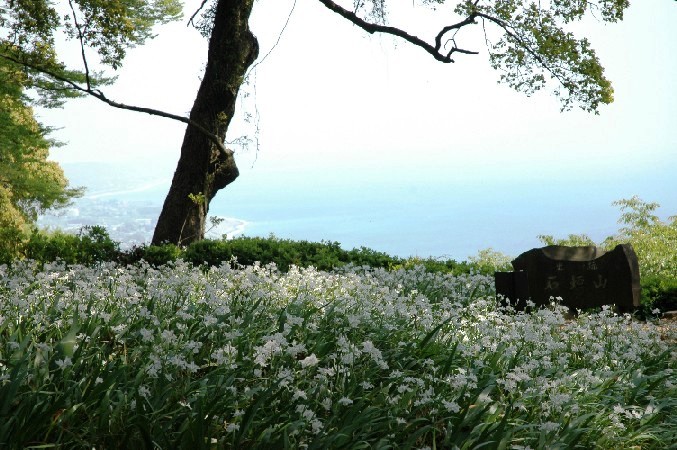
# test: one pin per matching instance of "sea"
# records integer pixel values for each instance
(442, 217)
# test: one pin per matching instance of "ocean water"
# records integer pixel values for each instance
(434, 216)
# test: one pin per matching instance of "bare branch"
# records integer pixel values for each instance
(100, 95)
(81, 38)
(470, 20)
(279, 36)
(437, 50)
(190, 21)
(372, 28)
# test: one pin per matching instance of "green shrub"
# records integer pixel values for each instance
(488, 261)
(12, 241)
(207, 252)
(284, 253)
(158, 255)
(434, 265)
(364, 256)
(573, 240)
(658, 293)
(91, 245)
(654, 241)
(95, 245)
(46, 247)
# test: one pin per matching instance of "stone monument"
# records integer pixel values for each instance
(584, 277)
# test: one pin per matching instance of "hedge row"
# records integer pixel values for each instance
(93, 245)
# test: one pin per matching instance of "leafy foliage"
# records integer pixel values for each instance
(29, 183)
(489, 261)
(108, 27)
(532, 45)
(528, 42)
(654, 242)
(282, 252)
(535, 47)
(90, 246)
(573, 240)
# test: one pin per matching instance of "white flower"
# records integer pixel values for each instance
(305, 412)
(232, 427)
(144, 391)
(353, 321)
(484, 398)
(63, 363)
(549, 426)
(296, 349)
(169, 336)
(345, 401)
(193, 346)
(316, 426)
(309, 361)
(146, 335)
(300, 394)
(266, 351)
(285, 377)
(209, 320)
(451, 406)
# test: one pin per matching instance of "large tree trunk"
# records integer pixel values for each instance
(203, 168)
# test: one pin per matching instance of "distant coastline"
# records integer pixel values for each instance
(229, 227)
(129, 217)
(436, 217)
(161, 183)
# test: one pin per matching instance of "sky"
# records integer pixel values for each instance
(335, 106)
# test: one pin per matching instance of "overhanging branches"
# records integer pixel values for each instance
(96, 93)
(434, 50)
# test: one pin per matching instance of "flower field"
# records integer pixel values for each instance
(250, 357)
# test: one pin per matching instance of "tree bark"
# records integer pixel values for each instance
(203, 169)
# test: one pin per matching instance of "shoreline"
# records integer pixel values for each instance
(230, 227)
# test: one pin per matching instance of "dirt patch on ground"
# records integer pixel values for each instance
(667, 326)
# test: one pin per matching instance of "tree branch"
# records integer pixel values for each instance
(81, 38)
(190, 21)
(372, 28)
(100, 95)
(436, 50)
(470, 20)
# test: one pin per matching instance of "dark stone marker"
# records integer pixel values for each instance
(584, 277)
(512, 285)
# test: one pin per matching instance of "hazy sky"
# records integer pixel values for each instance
(333, 101)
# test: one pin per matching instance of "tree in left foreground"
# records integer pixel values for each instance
(29, 183)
